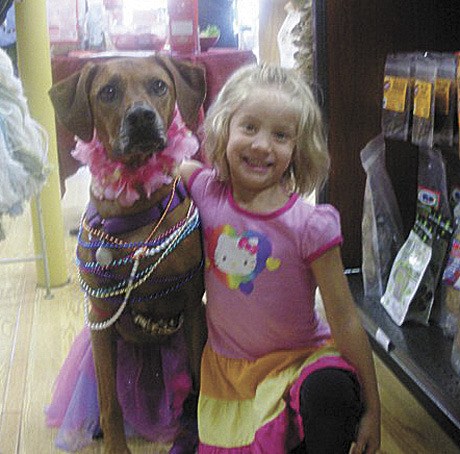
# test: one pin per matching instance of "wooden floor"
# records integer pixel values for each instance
(36, 333)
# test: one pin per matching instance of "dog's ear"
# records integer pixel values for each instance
(70, 98)
(190, 82)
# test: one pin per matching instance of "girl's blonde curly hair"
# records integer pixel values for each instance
(310, 162)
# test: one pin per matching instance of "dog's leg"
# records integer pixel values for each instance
(195, 334)
(111, 417)
(195, 331)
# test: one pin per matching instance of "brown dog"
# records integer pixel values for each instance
(143, 281)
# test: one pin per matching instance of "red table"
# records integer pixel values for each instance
(218, 64)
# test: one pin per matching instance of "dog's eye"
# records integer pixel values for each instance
(157, 87)
(107, 93)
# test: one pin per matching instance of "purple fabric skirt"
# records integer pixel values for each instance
(152, 382)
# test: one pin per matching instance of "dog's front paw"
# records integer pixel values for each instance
(186, 441)
(116, 450)
(183, 448)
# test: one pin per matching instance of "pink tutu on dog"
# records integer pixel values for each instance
(153, 382)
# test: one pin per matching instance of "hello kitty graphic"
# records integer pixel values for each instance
(237, 259)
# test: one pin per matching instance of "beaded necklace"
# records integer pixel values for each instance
(192, 223)
(104, 236)
(136, 279)
(175, 283)
(94, 244)
(94, 267)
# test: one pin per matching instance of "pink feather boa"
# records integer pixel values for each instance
(114, 180)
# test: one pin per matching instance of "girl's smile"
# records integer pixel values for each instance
(257, 165)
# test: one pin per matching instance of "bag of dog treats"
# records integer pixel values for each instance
(382, 229)
(407, 271)
(445, 101)
(451, 275)
(425, 69)
(433, 206)
(422, 257)
(397, 97)
(424, 299)
(447, 299)
(450, 315)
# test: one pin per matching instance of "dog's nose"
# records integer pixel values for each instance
(142, 130)
(140, 115)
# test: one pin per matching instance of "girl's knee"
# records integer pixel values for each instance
(330, 390)
(331, 408)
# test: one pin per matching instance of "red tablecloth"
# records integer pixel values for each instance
(218, 64)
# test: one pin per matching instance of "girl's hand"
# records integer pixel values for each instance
(187, 168)
(368, 439)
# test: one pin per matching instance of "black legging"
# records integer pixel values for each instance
(331, 407)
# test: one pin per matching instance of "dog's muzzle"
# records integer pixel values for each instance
(142, 132)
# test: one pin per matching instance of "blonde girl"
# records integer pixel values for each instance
(276, 377)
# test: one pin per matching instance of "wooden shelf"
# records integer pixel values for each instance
(419, 356)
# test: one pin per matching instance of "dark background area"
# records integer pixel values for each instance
(353, 40)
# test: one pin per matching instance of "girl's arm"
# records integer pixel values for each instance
(351, 341)
(187, 168)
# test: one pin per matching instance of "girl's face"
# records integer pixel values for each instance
(261, 141)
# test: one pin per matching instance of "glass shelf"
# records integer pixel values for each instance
(418, 355)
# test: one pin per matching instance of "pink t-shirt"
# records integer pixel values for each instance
(260, 288)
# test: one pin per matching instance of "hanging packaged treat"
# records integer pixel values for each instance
(424, 299)
(423, 109)
(432, 205)
(451, 281)
(183, 26)
(407, 271)
(451, 274)
(447, 299)
(397, 97)
(432, 182)
(415, 275)
(446, 295)
(382, 228)
(445, 101)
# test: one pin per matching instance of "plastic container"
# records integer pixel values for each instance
(183, 26)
